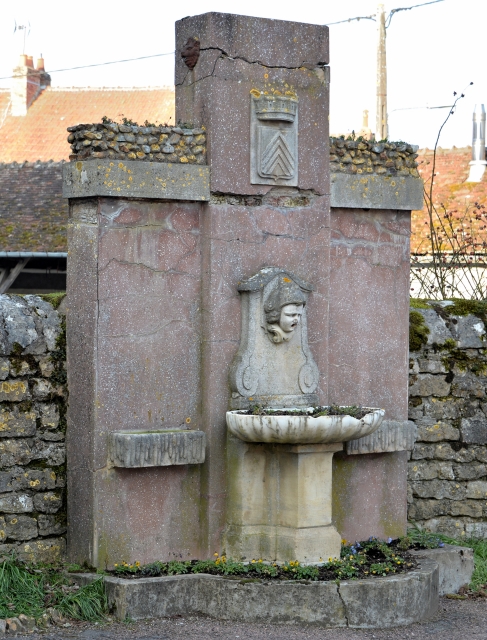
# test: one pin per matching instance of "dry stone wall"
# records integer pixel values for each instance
(33, 397)
(371, 157)
(447, 401)
(133, 142)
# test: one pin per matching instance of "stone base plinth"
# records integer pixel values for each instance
(279, 502)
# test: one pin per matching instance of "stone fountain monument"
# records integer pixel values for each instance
(280, 466)
(183, 275)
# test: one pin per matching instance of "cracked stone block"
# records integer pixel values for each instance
(157, 449)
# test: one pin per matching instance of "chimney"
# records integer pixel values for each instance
(477, 166)
(27, 84)
(45, 78)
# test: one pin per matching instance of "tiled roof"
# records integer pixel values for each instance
(450, 187)
(33, 212)
(41, 133)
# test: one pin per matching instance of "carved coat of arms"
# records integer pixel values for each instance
(274, 140)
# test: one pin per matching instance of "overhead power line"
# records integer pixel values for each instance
(328, 24)
(102, 64)
(393, 11)
(381, 86)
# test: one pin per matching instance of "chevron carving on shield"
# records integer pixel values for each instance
(277, 159)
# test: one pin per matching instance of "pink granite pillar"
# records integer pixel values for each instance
(247, 226)
(368, 365)
(133, 334)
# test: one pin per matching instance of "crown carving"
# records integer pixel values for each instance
(276, 108)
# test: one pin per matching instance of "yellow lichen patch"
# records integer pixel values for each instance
(13, 387)
(255, 93)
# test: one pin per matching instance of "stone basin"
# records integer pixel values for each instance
(299, 429)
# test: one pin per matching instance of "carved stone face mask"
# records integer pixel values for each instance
(283, 310)
(290, 317)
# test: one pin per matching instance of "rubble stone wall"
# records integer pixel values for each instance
(371, 157)
(447, 488)
(133, 142)
(33, 396)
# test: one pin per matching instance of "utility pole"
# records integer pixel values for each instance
(381, 86)
(381, 128)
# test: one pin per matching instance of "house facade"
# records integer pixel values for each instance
(33, 147)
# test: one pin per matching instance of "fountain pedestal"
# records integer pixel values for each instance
(279, 505)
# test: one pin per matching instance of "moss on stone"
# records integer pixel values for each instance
(58, 356)
(418, 303)
(54, 299)
(463, 360)
(468, 307)
(418, 331)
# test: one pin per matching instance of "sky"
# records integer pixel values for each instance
(432, 51)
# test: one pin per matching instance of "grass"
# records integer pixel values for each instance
(30, 590)
(479, 546)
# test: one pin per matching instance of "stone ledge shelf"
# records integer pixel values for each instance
(134, 179)
(368, 191)
(392, 435)
(135, 449)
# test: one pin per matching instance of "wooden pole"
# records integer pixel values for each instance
(381, 117)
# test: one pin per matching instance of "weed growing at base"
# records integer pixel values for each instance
(31, 590)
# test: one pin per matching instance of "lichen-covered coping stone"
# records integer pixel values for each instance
(376, 192)
(132, 449)
(133, 179)
(394, 601)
